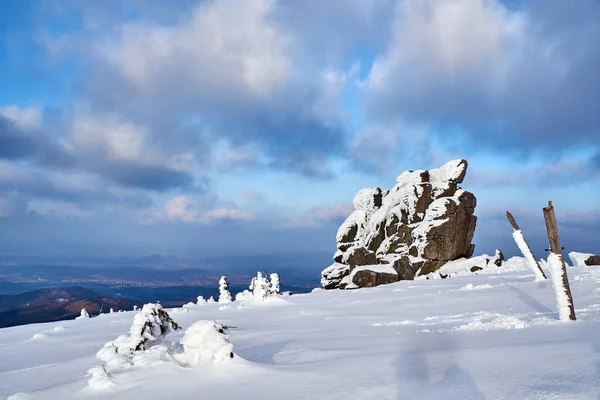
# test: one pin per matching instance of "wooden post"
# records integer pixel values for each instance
(525, 248)
(556, 248)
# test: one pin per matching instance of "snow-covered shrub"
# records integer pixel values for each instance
(200, 300)
(260, 286)
(241, 296)
(274, 284)
(211, 300)
(135, 308)
(150, 326)
(206, 341)
(84, 314)
(111, 311)
(224, 293)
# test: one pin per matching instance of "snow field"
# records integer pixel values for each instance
(486, 336)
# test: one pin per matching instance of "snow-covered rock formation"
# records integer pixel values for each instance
(583, 259)
(413, 229)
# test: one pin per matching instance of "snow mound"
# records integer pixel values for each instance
(206, 341)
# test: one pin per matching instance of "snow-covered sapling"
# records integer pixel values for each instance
(84, 314)
(111, 311)
(274, 285)
(200, 300)
(135, 308)
(211, 300)
(206, 341)
(260, 286)
(150, 326)
(224, 293)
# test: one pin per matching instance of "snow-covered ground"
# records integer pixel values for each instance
(490, 336)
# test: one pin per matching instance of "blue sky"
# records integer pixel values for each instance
(219, 126)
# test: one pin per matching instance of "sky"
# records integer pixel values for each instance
(235, 127)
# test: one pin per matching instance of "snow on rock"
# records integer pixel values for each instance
(424, 221)
(583, 259)
(206, 341)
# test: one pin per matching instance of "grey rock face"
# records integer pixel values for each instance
(424, 221)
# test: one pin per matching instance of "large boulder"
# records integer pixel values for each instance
(413, 229)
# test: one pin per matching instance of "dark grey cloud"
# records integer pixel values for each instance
(39, 149)
(40, 184)
(149, 178)
(17, 143)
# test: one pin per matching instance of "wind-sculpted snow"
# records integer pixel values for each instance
(496, 335)
(424, 221)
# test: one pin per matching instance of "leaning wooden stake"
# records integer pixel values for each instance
(558, 270)
(525, 248)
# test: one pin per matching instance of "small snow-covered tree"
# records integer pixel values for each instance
(135, 308)
(224, 293)
(84, 314)
(111, 311)
(206, 341)
(211, 300)
(261, 286)
(200, 300)
(274, 284)
(150, 326)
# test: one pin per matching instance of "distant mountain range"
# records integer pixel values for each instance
(54, 304)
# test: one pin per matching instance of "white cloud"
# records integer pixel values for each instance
(484, 68)
(112, 137)
(232, 214)
(26, 118)
(443, 39)
(186, 209)
(224, 45)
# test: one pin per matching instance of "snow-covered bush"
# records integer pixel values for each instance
(211, 300)
(274, 284)
(111, 311)
(241, 296)
(224, 293)
(260, 286)
(135, 308)
(206, 341)
(201, 300)
(150, 326)
(84, 314)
